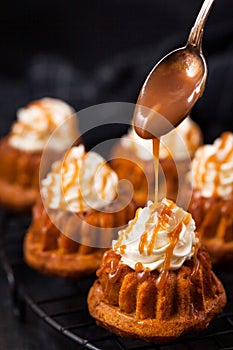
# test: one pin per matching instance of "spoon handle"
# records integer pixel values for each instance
(195, 36)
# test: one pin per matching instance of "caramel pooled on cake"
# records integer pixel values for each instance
(69, 236)
(157, 282)
(21, 150)
(212, 200)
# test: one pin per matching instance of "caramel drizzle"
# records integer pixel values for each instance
(156, 143)
(115, 271)
(143, 242)
(45, 110)
(104, 178)
(79, 173)
(162, 221)
(141, 272)
(196, 260)
(125, 233)
(30, 127)
(214, 158)
(50, 190)
(173, 238)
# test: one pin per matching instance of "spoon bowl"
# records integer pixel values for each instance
(174, 85)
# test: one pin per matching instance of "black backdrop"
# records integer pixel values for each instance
(88, 51)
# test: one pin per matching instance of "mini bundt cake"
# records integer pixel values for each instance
(78, 217)
(176, 150)
(157, 282)
(21, 150)
(212, 199)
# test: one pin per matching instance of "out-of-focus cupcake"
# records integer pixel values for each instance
(212, 199)
(157, 281)
(132, 158)
(21, 150)
(83, 209)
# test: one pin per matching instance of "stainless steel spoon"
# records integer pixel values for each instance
(174, 84)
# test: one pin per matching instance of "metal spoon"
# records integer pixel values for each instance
(174, 84)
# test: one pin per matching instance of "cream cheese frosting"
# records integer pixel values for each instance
(160, 235)
(37, 121)
(80, 182)
(212, 168)
(180, 143)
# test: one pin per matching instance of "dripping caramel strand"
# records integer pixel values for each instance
(162, 222)
(143, 242)
(141, 272)
(196, 264)
(156, 143)
(174, 238)
(77, 175)
(105, 177)
(125, 233)
(144, 236)
(214, 158)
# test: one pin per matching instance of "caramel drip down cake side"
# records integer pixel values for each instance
(187, 291)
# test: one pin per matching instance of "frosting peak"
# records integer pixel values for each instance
(37, 121)
(160, 237)
(212, 168)
(82, 181)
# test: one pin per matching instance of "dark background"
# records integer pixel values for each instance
(88, 52)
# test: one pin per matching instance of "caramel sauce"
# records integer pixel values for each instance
(115, 271)
(174, 237)
(169, 92)
(45, 110)
(162, 279)
(123, 248)
(110, 261)
(143, 242)
(187, 219)
(156, 143)
(141, 272)
(79, 173)
(105, 178)
(214, 158)
(196, 261)
(124, 233)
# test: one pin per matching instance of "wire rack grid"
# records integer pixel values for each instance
(62, 304)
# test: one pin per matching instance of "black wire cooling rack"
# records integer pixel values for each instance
(62, 304)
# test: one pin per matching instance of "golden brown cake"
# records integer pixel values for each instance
(176, 150)
(157, 282)
(212, 199)
(19, 177)
(21, 150)
(138, 174)
(69, 235)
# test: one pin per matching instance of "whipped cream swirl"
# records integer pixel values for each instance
(82, 181)
(212, 168)
(179, 144)
(37, 121)
(161, 236)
